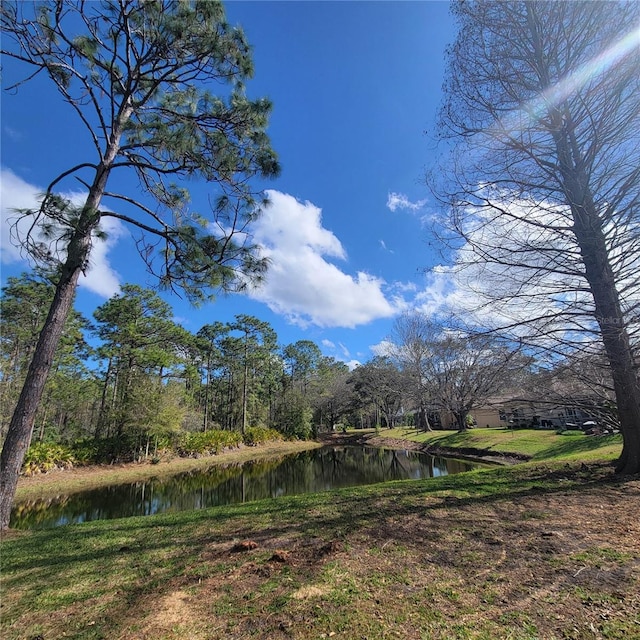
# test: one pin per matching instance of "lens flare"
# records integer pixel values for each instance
(540, 106)
(575, 81)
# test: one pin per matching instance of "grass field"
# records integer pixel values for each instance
(548, 549)
(538, 444)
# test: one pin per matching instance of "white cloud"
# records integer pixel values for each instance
(383, 244)
(345, 354)
(405, 287)
(521, 272)
(16, 194)
(100, 278)
(301, 283)
(345, 351)
(441, 293)
(397, 201)
(383, 348)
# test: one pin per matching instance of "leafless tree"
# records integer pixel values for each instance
(450, 371)
(580, 382)
(410, 340)
(542, 186)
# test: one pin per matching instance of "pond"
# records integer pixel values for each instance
(306, 472)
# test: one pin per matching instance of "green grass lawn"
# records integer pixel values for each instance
(542, 550)
(539, 444)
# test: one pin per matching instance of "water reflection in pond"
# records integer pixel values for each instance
(306, 472)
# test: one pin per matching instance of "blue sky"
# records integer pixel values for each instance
(355, 85)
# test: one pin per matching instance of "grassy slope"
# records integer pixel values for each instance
(539, 444)
(540, 550)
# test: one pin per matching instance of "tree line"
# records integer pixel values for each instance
(133, 374)
(133, 371)
(134, 378)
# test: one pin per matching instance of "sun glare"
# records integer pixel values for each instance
(557, 93)
(574, 82)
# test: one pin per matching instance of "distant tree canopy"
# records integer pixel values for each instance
(448, 371)
(542, 181)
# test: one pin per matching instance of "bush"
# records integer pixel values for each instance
(85, 452)
(45, 456)
(258, 435)
(104, 450)
(201, 443)
(570, 432)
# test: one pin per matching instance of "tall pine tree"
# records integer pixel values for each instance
(158, 90)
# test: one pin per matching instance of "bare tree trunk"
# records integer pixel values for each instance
(206, 395)
(21, 425)
(103, 402)
(43, 422)
(461, 420)
(602, 283)
(244, 387)
(423, 420)
(618, 348)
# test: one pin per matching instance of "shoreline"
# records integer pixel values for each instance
(373, 439)
(76, 479)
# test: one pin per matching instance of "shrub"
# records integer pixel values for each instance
(105, 450)
(208, 442)
(258, 435)
(45, 456)
(85, 452)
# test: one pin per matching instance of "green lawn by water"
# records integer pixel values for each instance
(394, 560)
(539, 444)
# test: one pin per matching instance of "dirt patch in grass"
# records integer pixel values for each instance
(551, 565)
(172, 617)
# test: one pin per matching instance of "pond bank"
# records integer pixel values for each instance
(377, 439)
(544, 551)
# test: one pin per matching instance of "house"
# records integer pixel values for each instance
(528, 414)
(504, 412)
